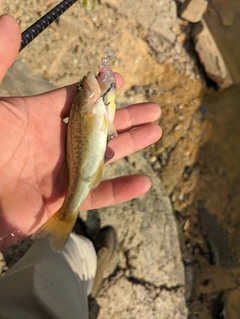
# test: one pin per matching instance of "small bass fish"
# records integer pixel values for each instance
(87, 136)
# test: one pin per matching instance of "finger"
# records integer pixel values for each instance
(109, 192)
(10, 38)
(134, 140)
(62, 99)
(119, 80)
(136, 115)
(117, 190)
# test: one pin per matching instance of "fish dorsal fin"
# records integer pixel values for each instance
(97, 177)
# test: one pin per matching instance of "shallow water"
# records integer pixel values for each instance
(223, 18)
(218, 186)
(223, 114)
(219, 180)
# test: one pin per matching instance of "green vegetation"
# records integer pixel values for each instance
(85, 3)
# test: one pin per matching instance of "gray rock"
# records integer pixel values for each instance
(156, 17)
(210, 56)
(193, 10)
(20, 81)
(146, 274)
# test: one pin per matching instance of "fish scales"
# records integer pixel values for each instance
(86, 139)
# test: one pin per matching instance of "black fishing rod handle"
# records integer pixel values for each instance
(39, 26)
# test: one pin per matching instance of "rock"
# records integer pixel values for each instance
(146, 271)
(223, 24)
(210, 56)
(157, 17)
(22, 75)
(150, 303)
(216, 237)
(193, 10)
(231, 307)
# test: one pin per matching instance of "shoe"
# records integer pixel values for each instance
(105, 245)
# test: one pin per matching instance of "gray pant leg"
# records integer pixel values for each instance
(44, 284)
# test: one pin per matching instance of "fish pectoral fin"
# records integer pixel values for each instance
(111, 130)
(98, 176)
(57, 229)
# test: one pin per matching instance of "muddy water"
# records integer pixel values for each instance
(215, 222)
(223, 19)
(219, 176)
(223, 114)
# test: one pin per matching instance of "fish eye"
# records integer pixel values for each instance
(79, 86)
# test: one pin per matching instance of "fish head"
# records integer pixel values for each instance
(90, 92)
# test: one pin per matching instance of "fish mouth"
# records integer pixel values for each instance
(106, 78)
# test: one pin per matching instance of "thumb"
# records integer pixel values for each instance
(10, 38)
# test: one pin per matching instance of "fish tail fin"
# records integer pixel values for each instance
(57, 229)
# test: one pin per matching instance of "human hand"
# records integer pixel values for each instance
(32, 150)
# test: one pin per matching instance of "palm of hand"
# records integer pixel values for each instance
(32, 151)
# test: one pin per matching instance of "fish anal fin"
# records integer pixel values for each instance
(57, 229)
(98, 176)
(111, 130)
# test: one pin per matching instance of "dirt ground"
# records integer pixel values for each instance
(199, 171)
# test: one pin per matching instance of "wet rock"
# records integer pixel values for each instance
(193, 10)
(216, 237)
(210, 56)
